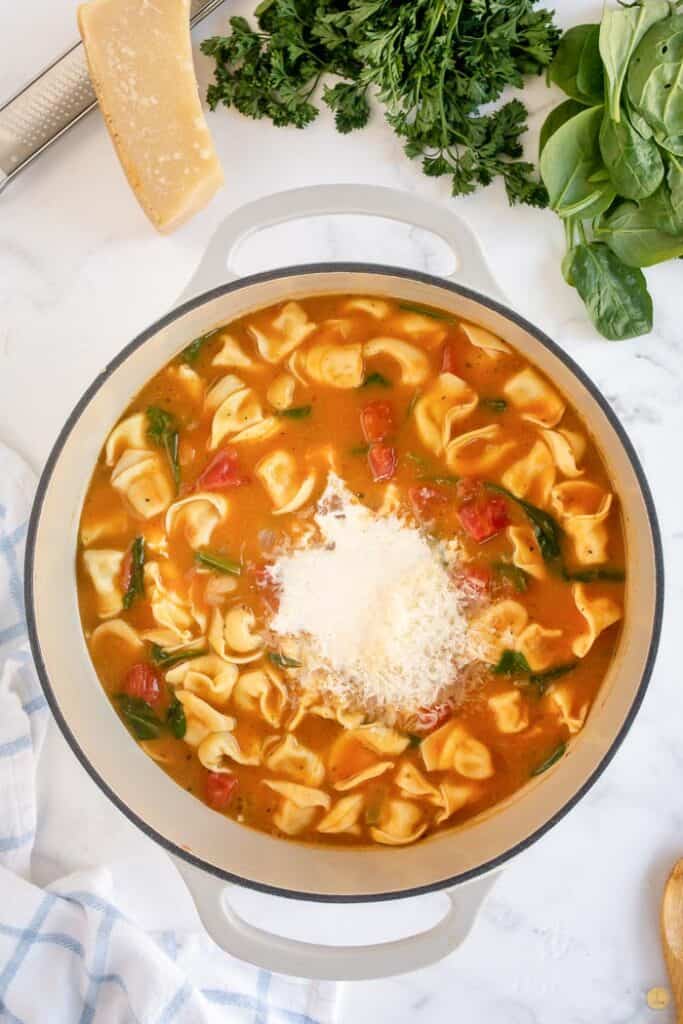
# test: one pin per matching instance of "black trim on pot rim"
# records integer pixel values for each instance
(302, 271)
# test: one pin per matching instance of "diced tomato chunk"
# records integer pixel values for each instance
(222, 471)
(468, 488)
(485, 518)
(450, 358)
(142, 680)
(220, 789)
(383, 461)
(429, 719)
(426, 500)
(377, 421)
(477, 579)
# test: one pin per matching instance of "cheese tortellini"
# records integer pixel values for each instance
(237, 413)
(142, 479)
(583, 508)
(104, 569)
(281, 477)
(447, 402)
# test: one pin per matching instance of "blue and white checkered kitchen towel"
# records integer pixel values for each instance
(72, 953)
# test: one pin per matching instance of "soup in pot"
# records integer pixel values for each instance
(351, 570)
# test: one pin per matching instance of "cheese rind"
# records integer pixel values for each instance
(140, 60)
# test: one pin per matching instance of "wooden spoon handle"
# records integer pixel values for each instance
(672, 934)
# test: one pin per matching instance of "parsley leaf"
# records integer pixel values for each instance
(435, 68)
(162, 428)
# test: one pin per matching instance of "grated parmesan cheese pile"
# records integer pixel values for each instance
(375, 614)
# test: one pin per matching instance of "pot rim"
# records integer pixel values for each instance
(299, 271)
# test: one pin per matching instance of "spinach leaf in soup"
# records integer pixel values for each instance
(655, 81)
(576, 67)
(552, 759)
(615, 295)
(547, 531)
(572, 167)
(634, 164)
(162, 428)
(621, 30)
(175, 718)
(511, 663)
(136, 580)
(556, 118)
(139, 717)
(632, 235)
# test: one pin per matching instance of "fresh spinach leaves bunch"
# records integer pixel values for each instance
(433, 65)
(611, 158)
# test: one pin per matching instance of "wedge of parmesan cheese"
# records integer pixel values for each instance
(140, 60)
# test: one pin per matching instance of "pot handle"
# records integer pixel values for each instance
(333, 963)
(319, 200)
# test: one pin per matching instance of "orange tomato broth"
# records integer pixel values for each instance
(335, 421)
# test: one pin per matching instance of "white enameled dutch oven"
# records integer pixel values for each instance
(212, 852)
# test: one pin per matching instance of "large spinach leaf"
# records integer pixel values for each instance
(572, 167)
(634, 164)
(576, 67)
(655, 77)
(621, 30)
(556, 118)
(665, 207)
(674, 179)
(638, 122)
(632, 235)
(615, 296)
(590, 76)
(671, 143)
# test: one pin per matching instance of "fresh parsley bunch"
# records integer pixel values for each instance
(434, 64)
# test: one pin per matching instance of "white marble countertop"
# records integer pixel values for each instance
(569, 934)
